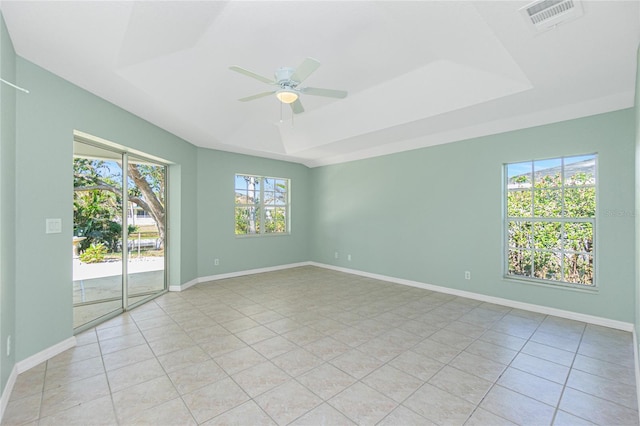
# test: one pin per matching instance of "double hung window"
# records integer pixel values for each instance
(551, 219)
(261, 205)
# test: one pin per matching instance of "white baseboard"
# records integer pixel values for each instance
(636, 364)
(54, 350)
(27, 363)
(251, 272)
(184, 286)
(6, 393)
(237, 274)
(45, 355)
(591, 319)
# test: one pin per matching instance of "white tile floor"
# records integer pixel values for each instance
(309, 346)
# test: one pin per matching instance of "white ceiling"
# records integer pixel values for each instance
(418, 73)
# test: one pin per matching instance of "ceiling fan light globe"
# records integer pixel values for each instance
(286, 96)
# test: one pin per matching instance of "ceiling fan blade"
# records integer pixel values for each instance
(258, 96)
(305, 69)
(296, 107)
(330, 93)
(252, 74)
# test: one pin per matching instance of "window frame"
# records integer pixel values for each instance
(263, 207)
(562, 220)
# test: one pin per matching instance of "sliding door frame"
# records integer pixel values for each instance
(124, 155)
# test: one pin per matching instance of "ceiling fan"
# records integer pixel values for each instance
(288, 80)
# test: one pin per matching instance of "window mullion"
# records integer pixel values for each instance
(551, 238)
(269, 201)
(262, 228)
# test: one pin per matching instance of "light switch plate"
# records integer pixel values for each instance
(54, 226)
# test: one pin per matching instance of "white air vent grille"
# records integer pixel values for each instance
(545, 14)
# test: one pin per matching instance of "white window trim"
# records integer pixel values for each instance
(262, 231)
(593, 288)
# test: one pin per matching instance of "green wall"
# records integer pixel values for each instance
(637, 207)
(46, 120)
(430, 214)
(216, 203)
(7, 197)
(426, 215)
(200, 192)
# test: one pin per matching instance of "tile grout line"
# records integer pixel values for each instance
(371, 310)
(477, 406)
(495, 383)
(180, 396)
(564, 386)
(146, 342)
(106, 375)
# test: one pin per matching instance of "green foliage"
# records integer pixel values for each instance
(97, 200)
(276, 221)
(94, 217)
(154, 176)
(519, 203)
(249, 212)
(542, 248)
(247, 221)
(95, 253)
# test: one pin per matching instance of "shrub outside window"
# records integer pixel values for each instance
(261, 205)
(551, 219)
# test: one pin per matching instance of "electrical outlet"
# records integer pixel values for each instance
(467, 275)
(349, 257)
(335, 255)
(216, 262)
(9, 345)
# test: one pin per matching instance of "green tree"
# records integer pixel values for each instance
(547, 249)
(148, 193)
(98, 192)
(258, 199)
(95, 213)
(276, 221)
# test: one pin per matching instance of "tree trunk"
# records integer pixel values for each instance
(153, 205)
(148, 202)
(251, 181)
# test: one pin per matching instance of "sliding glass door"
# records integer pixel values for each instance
(97, 236)
(147, 226)
(119, 232)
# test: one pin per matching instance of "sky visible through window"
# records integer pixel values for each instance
(550, 219)
(518, 169)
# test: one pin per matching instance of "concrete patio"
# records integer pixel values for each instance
(93, 282)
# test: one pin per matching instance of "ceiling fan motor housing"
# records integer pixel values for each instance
(283, 77)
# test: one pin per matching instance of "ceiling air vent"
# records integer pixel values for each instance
(546, 14)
